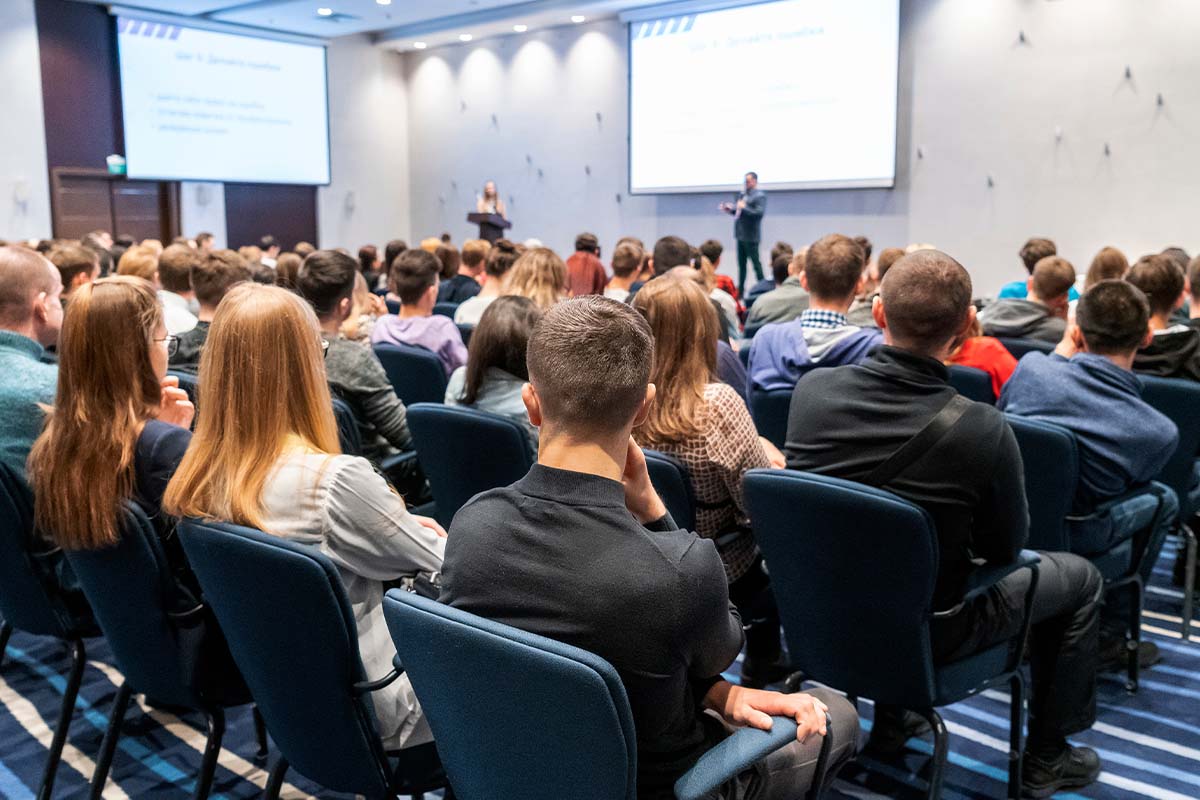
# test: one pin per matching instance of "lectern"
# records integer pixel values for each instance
(491, 226)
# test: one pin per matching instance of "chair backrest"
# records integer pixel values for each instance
(415, 373)
(1179, 400)
(127, 586)
(1051, 461)
(555, 719)
(291, 631)
(188, 382)
(744, 355)
(865, 631)
(393, 306)
(465, 332)
(464, 451)
(1019, 347)
(972, 383)
(674, 486)
(445, 309)
(347, 424)
(770, 413)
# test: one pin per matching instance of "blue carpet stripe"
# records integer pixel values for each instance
(1151, 717)
(11, 787)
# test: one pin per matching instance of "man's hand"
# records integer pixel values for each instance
(1066, 347)
(640, 497)
(773, 455)
(174, 407)
(726, 207)
(741, 204)
(755, 707)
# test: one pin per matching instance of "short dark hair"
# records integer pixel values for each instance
(779, 268)
(500, 340)
(669, 252)
(866, 246)
(1194, 278)
(887, 257)
(501, 258)
(1035, 250)
(712, 249)
(72, 260)
(781, 248)
(267, 242)
(1113, 317)
(390, 250)
(1159, 278)
(175, 266)
(833, 267)
(368, 254)
(1179, 256)
(287, 268)
(203, 236)
(626, 259)
(590, 360)
(587, 243)
(926, 297)
(753, 174)
(1053, 278)
(450, 259)
(326, 277)
(413, 272)
(214, 274)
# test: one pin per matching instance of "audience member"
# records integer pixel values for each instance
(450, 259)
(175, 265)
(283, 475)
(30, 318)
(787, 301)
(1179, 256)
(77, 266)
(783, 351)
(726, 304)
(430, 244)
(551, 554)
(712, 250)
(861, 311)
(367, 309)
(1174, 350)
(97, 240)
(495, 372)
(850, 423)
(730, 370)
(153, 245)
(304, 249)
(369, 264)
(212, 277)
(669, 252)
(414, 279)
(287, 268)
(464, 284)
(585, 270)
(1031, 253)
(1108, 264)
(253, 255)
(1193, 273)
(1042, 313)
(626, 263)
(270, 250)
(540, 275)
(984, 353)
(204, 242)
(500, 259)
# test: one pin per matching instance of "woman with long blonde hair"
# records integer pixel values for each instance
(540, 275)
(265, 454)
(705, 424)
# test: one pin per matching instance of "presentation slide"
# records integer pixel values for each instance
(803, 92)
(206, 106)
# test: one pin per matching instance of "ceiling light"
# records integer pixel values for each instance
(465, 37)
(384, 2)
(420, 45)
(520, 28)
(578, 18)
(325, 12)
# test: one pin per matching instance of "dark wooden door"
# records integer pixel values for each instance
(84, 200)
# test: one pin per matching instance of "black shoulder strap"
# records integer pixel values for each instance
(925, 438)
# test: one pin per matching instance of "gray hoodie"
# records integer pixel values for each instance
(1014, 318)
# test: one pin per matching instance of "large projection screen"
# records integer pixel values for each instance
(209, 106)
(803, 92)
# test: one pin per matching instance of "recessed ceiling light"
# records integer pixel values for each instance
(325, 12)
(420, 45)
(520, 28)
(384, 2)
(578, 18)
(465, 37)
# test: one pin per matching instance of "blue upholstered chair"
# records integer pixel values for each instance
(415, 373)
(744, 355)
(770, 413)
(464, 451)
(1179, 399)
(393, 306)
(445, 309)
(558, 722)
(1019, 347)
(674, 486)
(1122, 536)
(973, 384)
(291, 630)
(31, 600)
(350, 438)
(465, 332)
(126, 586)
(854, 578)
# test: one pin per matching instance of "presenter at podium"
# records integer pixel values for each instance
(748, 210)
(490, 214)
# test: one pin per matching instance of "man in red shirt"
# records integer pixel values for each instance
(585, 271)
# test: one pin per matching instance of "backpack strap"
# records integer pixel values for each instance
(925, 438)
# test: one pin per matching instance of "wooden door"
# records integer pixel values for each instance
(84, 200)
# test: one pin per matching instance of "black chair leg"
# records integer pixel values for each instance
(1134, 643)
(275, 784)
(941, 749)
(260, 732)
(78, 662)
(1016, 734)
(1189, 578)
(212, 749)
(5, 632)
(109, 745)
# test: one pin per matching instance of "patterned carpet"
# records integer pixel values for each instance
(1150, 742)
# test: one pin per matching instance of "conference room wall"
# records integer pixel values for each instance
(974, 99)
(24, 176)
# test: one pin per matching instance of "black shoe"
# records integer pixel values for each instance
(888, 735)
(756, 676)
(1114, 657)
(1075, 768)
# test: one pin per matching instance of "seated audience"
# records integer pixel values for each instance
(783, 351)
(465, 284)
(585, 270)
(414, 279)
(626, 264)
(30, 318)
(1031, 253)
(1109, 264)
(1174, 350)
(284, 475)
(430, 244)
(204, 242)
(500, 259)
(212, 277)
(769, 284)
(450, 259)
(540, 275)
(551, 554)
(369, 264)
(270, 251)
(77, 266)
(1179, 256)
(1042, 313)
(984, 353)
(787, 301)
(100, 243)
(287, 267)
(729, 309)
(253, 255)
(730, 369)
(848, 422)
(175, 265)
(326, 281)
(712, 250)
(669, 252)
(142, 262)
(304, 249)
(495, 371)
(367, 309)
(860, 312)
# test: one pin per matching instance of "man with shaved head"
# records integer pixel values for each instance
(30, 317)
(965, 470)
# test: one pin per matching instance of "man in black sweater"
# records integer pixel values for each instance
(583, 550)
(847, 421)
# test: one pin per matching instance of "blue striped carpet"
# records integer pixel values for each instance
(1150, 742)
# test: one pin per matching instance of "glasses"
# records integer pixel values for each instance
(172, 344)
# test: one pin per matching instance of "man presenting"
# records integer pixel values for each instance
(747, 227)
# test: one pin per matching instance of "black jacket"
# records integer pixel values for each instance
(1173, 353)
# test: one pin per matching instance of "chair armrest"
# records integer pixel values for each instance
(743, 748)
(366, 687)
(392, 462)
(987, 576)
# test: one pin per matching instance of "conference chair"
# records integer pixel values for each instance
(291, 631)
(670, 479)
(445, 309)
(1179, 400)
(770, 413)
(1121, 536)
(168, 654)
(465, 332)
(415, 373)
(464, 451)
(350, 439)
(393, 306)
(32, 599)
(889, 547)
(1019, 347)
(972, 383)
(558, 722)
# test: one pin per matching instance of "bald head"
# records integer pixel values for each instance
(926, 301)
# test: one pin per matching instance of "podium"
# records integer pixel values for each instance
(491, 226)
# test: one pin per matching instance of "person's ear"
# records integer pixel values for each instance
(344, 307)
(1029, 284)
(878, 315)
(862, 284)
(80, 278)
(964, 332)
(650, 264)
(1148, 338)
(1183, 296)
(533, 404)
(647, 403)
(41, 307)
(804, 281)
(1078, 340)
(432, 292)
